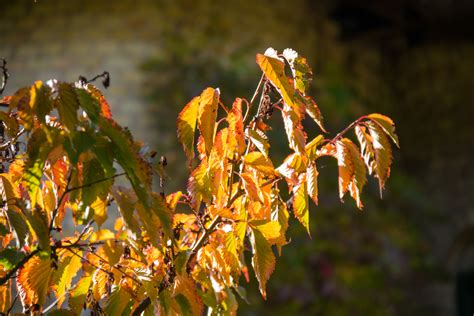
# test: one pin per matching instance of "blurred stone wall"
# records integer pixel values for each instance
(65, 39)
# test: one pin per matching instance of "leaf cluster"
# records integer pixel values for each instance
(167, 253)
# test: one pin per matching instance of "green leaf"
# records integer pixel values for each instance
(302, 72)
(207, 114)
(10, 257)
(89, 104)
(263, 260)
(67, 104)
(77, 296)
(19, 223)
(117, 302)
(184, 305)
(40, 100)
(300, 201)
(126, 153)
(186, 123)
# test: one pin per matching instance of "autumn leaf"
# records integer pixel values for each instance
(263, 260)
(186, 123)
(383, 153)
(300, 202)
(259, 139)
(236, 124)
(312, 178)
(207, 114)
(293, 128)
(300, 69)
(386, 124)
(274, 69)
(259, 162)
(62, 278)
(359, 178)
(34, 280)
(77, 296)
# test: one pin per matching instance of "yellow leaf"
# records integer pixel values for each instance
(101, 285)
(259, 162)
(294, 130)
(274, 69)
(300, 202)
(312, 147)
(383, 153)
(186, 123)
(259, 139)
(68, 267)
(207, 114)
(100, 210)
(263, 260)
(386, 124)
(270, 230)
(199, 184)
(77, 296)
(312, 178)
(33, 281)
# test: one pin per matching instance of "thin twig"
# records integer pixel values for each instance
(13, 303)
(262, 79)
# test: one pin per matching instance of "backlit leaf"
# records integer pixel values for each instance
(259, 140)
(386, 124)
(68, 267)
(259, 162)
(302, 73)
(383, 153)
(359, 178)
(312, 178)
(186, 123)
(236, 125)
(263, 260)
(67, 104)
(300, 202)
(312, 146)
(77, 296)
(207, 114)
(33, 281)
(274, 69)
(293, 128)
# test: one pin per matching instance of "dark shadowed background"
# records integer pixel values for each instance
(408, 254)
